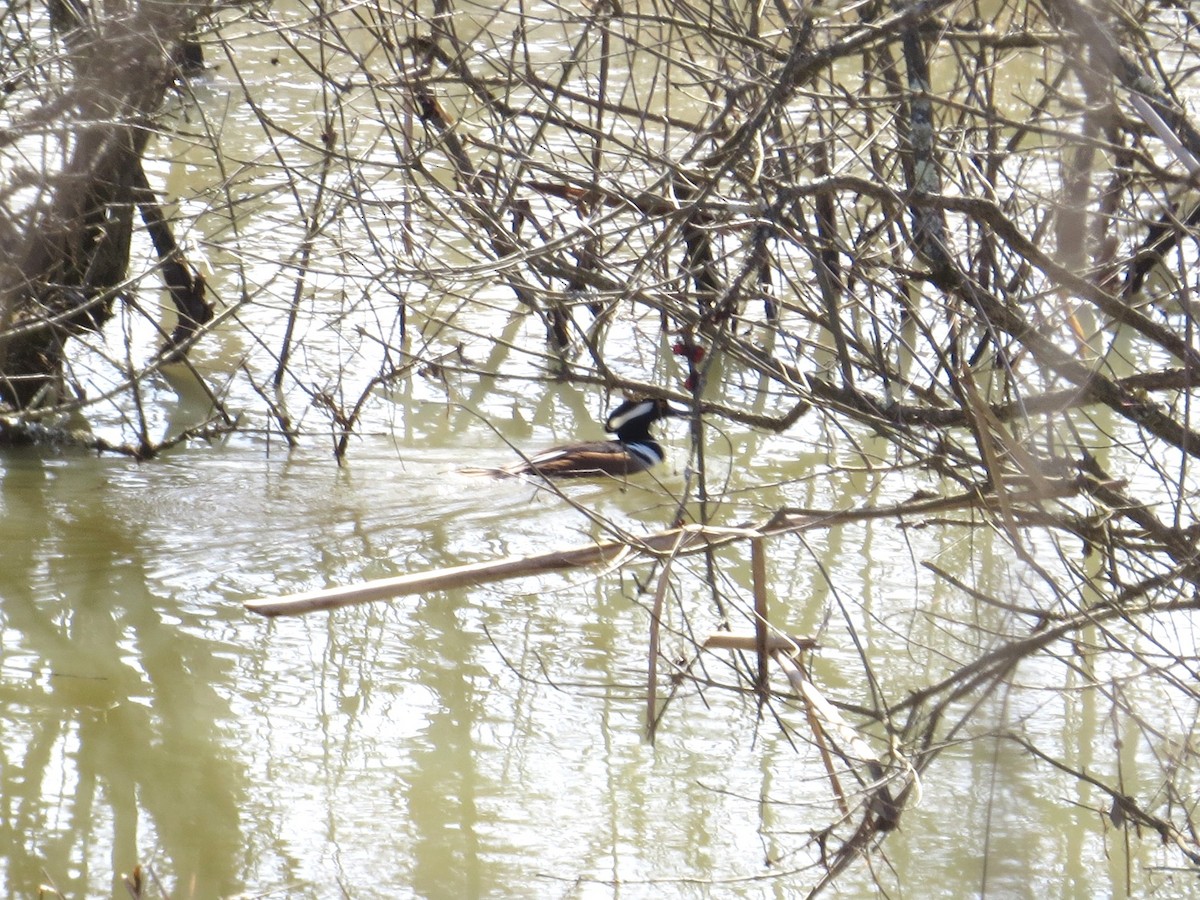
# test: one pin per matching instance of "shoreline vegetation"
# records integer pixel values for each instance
(964, 232)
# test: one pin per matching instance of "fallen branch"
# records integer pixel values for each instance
(835, 734)
(831, 732)
(688, 539)
(748, 643)
(19, 433)
(674, 542)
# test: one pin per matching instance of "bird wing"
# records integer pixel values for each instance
(577, 460)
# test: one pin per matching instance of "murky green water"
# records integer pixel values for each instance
(475, 743)
(456, 745)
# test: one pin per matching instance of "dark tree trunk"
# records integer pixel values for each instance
(72, 251)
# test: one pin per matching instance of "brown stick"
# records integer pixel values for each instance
(758, 568)
(828, 723)
(184, 283)
(660, 594)
(677, 540)
(776, 643)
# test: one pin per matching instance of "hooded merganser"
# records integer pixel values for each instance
(634, 449)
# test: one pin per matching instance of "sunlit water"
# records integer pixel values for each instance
(453, 745)
(486, 742)
(476, 743)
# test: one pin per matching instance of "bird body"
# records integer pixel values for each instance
(633, 450)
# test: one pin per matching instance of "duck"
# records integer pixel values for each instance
(633, 450)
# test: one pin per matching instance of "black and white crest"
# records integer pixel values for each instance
(634, 449)
(633, 412)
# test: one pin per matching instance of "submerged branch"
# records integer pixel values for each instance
(689, 539)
